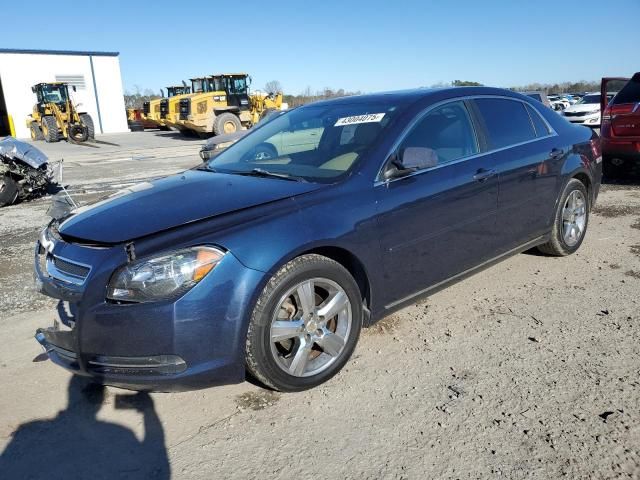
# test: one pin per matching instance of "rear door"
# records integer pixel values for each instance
(528, 155)
(621, 118)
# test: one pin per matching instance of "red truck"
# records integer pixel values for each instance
(620, 125)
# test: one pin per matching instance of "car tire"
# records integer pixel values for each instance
(87, 121)
(319, 346)
(50, 129)
(36, 133)
(226, 123)
(8, 190)
(570, 221)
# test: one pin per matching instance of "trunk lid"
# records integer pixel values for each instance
(621, 117)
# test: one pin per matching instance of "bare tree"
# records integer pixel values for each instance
(274, 86)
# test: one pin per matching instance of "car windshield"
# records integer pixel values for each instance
(317, 143)
(588, 99)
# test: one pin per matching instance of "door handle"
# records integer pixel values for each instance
(483, 173)
(556, 153)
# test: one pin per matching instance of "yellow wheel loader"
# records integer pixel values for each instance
(174, 118)
(174, 94)
(226, 106)
(156, 110)
(56, 118)
(151, 112)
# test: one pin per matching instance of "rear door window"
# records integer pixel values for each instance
(507, 122)
(542, 130)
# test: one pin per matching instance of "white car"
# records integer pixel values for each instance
(585, 112)
(558, 103)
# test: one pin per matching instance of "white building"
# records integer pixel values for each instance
(96, 76)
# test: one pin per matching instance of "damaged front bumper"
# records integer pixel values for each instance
(189, 343)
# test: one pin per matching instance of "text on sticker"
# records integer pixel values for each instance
(368, 118)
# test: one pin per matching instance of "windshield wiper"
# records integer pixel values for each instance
(261, 172)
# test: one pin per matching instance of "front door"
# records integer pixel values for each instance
(439, 221)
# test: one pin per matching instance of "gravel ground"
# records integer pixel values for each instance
(528, 369)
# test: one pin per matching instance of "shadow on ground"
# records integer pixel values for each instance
(76, 445)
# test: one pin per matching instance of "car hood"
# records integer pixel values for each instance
(587, 108)
(152, 207)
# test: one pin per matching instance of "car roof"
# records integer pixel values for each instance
(414, 95)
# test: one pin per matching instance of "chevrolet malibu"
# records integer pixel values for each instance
(272, 266)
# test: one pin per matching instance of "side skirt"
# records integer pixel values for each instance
(399, 304)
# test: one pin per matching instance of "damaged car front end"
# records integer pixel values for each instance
(25, 172)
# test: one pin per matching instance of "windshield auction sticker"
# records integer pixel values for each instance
(368, 118)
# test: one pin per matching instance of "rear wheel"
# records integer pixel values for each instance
(50, 129)
(226, 123)
(571, 220)
(8, 190)
(88, 122)
(305, 325)
(36, 133)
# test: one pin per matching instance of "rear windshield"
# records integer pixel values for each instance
(630, 93)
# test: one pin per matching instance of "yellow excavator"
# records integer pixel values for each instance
(226, 106)
(56, 118)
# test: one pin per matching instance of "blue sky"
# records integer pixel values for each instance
(351, 44)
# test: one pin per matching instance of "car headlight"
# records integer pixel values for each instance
(163, 277)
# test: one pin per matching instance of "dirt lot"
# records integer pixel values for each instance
(529, 369)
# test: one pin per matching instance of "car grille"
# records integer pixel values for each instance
(576, 114)
(70, 268)
(185, 108)
(164, 108)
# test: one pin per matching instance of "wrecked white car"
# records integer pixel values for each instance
(25, 172)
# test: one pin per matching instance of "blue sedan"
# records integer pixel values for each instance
(271, 265)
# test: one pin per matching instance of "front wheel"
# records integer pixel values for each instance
(226, 123)
(87, 121)
(570, 222)
(8, 190)
(305, 325)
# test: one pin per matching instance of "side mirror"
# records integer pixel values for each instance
(419, 158)
(73, 87)
(411, 160)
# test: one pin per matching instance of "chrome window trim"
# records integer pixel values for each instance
(378, 179)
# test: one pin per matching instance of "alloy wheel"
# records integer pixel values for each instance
(574, 218)
(310, 326)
